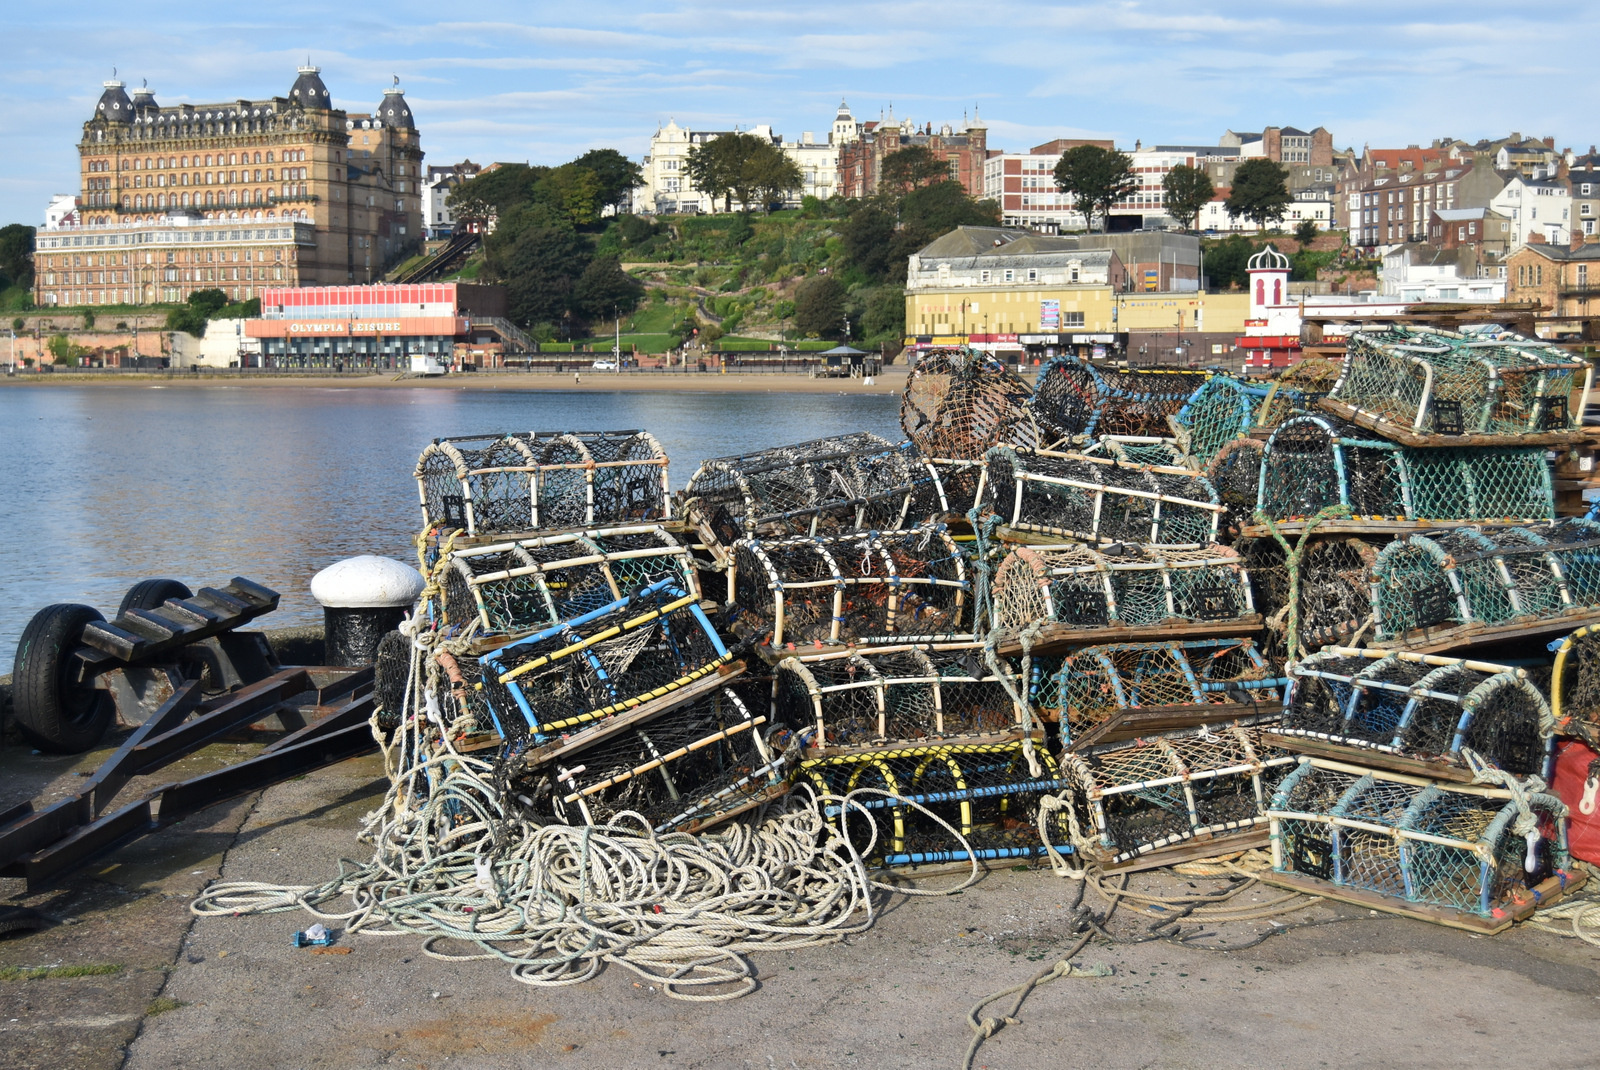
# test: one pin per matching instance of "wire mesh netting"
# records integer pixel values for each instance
(1224, 678)
(957, 404)
(1073, 397)
(987, 792)
(823, 486)
(1098, 500)
(1136, 449)
(1312, 462)
(1335, 591)
(1128, 801)
(863, 697)
(612, 659)
(849, 587)
(1424, 707)
(527, 584)
(489, 484)
(1296, 389)
(1220, 410)
(1235, 473)
(1141, 586)
(1427, 845)
(1486, 576)
(1432, 381)
(685, 768)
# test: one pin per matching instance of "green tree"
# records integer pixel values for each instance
(944, 206)
(1227, 261)
(867, 234)
(740, 167)
(540, 268)
(617, 173)
(88, 320)
(883, 315)
(16, 256)
(576, 192)
(911, 168)
(1096, 178)
(1260, 191)
(18, 323)
(819, 304)
(64, 350)
(1188, 191)
(208, 302)
(771, 175)
(490, 195)
(1306, 232)
(604, 288)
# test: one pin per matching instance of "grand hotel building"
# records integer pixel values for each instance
(283, 192)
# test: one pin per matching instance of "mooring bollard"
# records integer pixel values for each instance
(362, 599)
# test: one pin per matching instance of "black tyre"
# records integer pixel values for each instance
(55, 712)
(148, 594)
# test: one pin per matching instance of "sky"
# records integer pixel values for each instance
(544, 82)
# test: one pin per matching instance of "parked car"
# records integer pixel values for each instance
(604, 365)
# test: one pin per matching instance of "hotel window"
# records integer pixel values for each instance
(1010, 276)
(1033, 275)
(983, 276)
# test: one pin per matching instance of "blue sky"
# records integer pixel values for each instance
(543, 82)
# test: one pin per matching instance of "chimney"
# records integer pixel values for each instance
(1577, 241)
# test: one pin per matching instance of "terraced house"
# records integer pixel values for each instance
(283, 191)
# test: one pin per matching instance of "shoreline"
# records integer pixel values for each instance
(892, 381)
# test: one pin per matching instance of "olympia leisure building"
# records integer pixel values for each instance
(237, 196)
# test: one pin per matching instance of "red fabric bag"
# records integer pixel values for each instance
(1577, 783)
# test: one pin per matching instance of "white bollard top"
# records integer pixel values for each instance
(366, 582)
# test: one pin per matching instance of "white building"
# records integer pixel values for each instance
(63, 211)
(1416, 272)
(1312, 203)
(1151, 166)
(666, 186)
(1535, 206)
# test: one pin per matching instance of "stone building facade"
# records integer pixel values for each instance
(283, 191)
(861, 160)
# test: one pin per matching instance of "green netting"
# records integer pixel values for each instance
(1335, 586)
(1074, 397)
(1425, 707)
(1097, 499)
(1135, 449)
(1139, 587)
(1235, 472)
(1312, 462)
(1486, 576)
(1129, 800)
(1430, 381)
(1431, 845)
(1221, 410)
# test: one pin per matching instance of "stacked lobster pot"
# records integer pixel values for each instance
(562, 637)
(1100, 573)
(1405, 545)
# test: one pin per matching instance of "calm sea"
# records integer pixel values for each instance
(102, 486)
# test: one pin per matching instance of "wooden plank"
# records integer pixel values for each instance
(1193, 850)
(1142, 721)
(1056, 636)
(1383, 526)
(890, 746)
(1463, 636)
(1377, 759)
(1548, 892)
(1407, 437)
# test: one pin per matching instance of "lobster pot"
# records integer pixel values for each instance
(989, 793)
(629, 652)
(858, 698)
(1098, 500)
(528, 584)
(691, 767)
(1296, 390)
(1219, 411)
(1335, 593)
(1235, 472)
(1073, 397)
(1424, 380)
(457, 692)
(1136, 449)
(848, 587)
(819, 487)
(1141, 587)
(955, 484)
(1127, 805)
(489, 484)
(1575, 685)
(1420, 706)
(1415, 841)
(1312, 462)
(959, 403)
(1486, 576)
(1199, 680)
